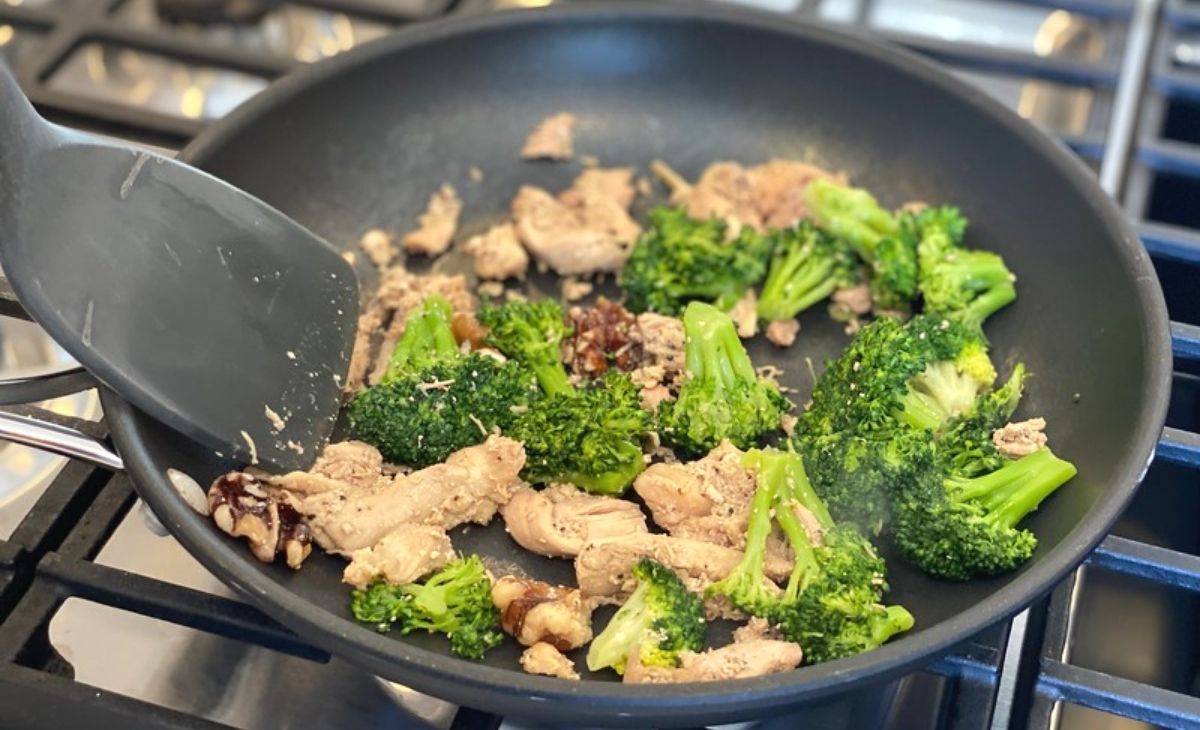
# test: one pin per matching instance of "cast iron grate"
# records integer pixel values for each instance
(1017, 678)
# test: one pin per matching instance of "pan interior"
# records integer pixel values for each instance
(366, 147)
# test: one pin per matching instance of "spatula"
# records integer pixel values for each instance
(203, 306)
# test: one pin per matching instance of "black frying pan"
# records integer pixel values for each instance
(362, 140)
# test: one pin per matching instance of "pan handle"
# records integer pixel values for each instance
(58, 439)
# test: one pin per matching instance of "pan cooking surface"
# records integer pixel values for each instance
(363, 140)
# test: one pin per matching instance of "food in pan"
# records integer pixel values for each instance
(749, 508)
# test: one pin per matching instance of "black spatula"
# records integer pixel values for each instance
(201, 305)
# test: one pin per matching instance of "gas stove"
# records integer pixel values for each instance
(106, 622)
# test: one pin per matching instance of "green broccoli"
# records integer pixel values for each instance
(660, 620)
(965, 446)
(807, 266)
(589, 437)
(832, 603)
(722, 396)
(851, 214)
(455, 601)
(962, 527)
(955, 282)
(679, 259)
(434, 399)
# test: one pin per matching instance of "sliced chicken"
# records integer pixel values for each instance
(535, 612)
(560, 519)
(756, 629)
(498, 253)
(402, 556)
(779, 187)
(543, 658)
(783, 332)
(1022, 438)
(604, 569)
(745, 315)
(734, 661)
(854, 299)
(724, 190)
(551, 139)
(378, 246)
(470, 486)
(436, 226)
(369, 321)
(586, 230)
(356, 463)
(662, 351)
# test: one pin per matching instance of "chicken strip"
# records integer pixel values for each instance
(498, 253)
(726, 191)
(745, 315)
(734, 661)
(543, 658)
(708, 499)
(470, 486)
(551, 139)
(402, 556)
(1022, 438)
(436, 225)
(604, 569)
(534, 612)
(586, 230)
(782, 332)
(355, 463)
(378, 247)
(779, 187)
(560, 519)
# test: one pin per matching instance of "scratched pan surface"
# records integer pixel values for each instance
(362, 140)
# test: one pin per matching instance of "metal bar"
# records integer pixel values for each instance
(1161, 565)
(1179, 447)
(177, 604)
(1185, 341)
(1169, 156)
(1171, 243)
(973, 660)
(1123, 123)
(1006, 687)
(1118, 696)
(34, 700)
(44, 386)
(56, 439)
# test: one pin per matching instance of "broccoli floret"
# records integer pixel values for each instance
(955, 282)
(589, 437)
(679, 259)
(455, 601)
(920, 373)
(531, 332)
(807, 266)
(851, 214)
(965, 446)
(722, 396)
(660, 620)
(894, 274)
(434, 399)
(962, 527)
(832, 603)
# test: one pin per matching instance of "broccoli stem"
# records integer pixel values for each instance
(805, 567)
(895, 620)
(428, 337)
(745, 584)
(988, 303)
(713, 349)
(613, 645)
(797, 281)
(920, 411)
(553, 378)
(1016, 489)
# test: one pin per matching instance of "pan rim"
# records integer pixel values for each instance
(622, 703)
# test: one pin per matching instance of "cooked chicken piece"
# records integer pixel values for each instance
(787, 424)
(1019, 439)
(560, 519)
(745, 315)
(498, 253)
(603, 569)
(535, 612)
(779, 189)
(436, 225)
(378, 247)
(470, 486)
(369, 322)
(756, 629)
(354, 462)
(586, 230)
(573, 289)
(653, 396)
(708, 499)
(402, 556)
(734, 661)
(401, 291)
(662, 342)
(854, 299)
(913, 206)
(783, 332)
(551, 140)
(543, 658)
(242, 506)
(723, 191)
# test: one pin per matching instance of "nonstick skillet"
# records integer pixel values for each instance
(360, 141)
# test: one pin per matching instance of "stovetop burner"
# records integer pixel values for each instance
(105, 624)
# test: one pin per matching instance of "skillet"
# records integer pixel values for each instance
(361, 140)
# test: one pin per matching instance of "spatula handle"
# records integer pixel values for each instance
(58, 439)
